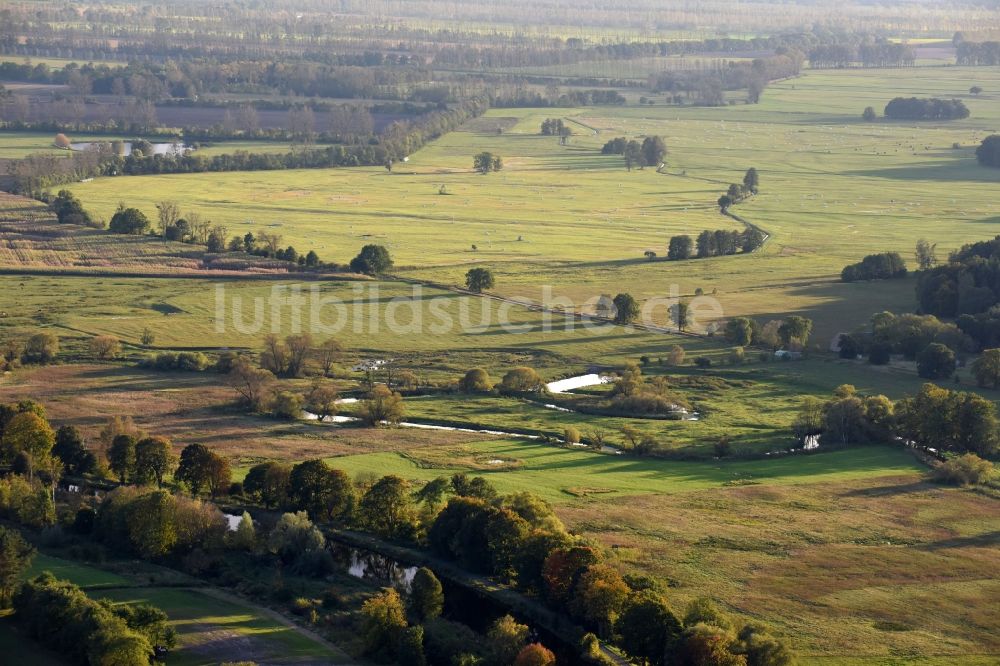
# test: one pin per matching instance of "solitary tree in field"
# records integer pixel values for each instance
(372, 260)
(975, 90)
(105, 346)
(626, 309)
(128, 221)
(486, 162)
(479, 279)
(680, 314)
(869, 114)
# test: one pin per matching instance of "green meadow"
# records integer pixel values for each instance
(833, 188)
(559, 475)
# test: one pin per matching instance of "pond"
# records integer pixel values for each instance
(373, 567)
(578, 382)
(126, 147)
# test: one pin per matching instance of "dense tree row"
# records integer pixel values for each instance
(882, 266)
(916, 108)
(923, 338)
(868, 53)
(193, 78)
(61, 616)
(935, 418)
(721, 242)
(968, 284)
(791, 333)
(36, 173)
(978, 53)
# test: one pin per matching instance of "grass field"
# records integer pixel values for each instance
(842, 551)
(211, 627)
(833, 189)
(849, 553)
(559, 474)
(16, 145)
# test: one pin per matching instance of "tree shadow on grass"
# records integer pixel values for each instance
(952, 171)
(987, 540)
(890, 490)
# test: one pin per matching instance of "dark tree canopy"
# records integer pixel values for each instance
(915, 108)
(883, 266)
(129, 221)
(988, 152)
(479, 280)
(372, 260)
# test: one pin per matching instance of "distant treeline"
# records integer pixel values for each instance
(878, 53)
(978, 53)
(193, 78)
(524, 97)
(916, 108)
(38, 172)
(708, 86)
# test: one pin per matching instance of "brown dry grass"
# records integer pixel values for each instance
(892, 567)
(195, 408)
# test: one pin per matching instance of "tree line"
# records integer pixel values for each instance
(939, 419)
(882, 266)
(869, 53)
(718, 243)
(969, 284)
(982, 54)
(916, 108)
(36, 173)
(650, 153)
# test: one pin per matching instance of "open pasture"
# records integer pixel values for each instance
(562, 474)
(833, 189)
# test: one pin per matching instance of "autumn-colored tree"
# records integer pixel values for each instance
(535, 654)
